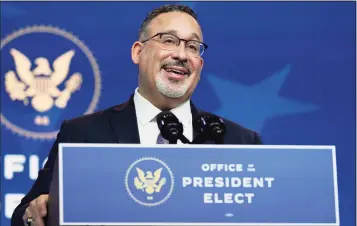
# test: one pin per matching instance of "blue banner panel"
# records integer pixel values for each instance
(199, 184)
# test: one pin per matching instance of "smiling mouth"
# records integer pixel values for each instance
(177, 70)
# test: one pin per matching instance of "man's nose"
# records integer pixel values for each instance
(180, 52)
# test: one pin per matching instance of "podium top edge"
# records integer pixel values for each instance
(212, 146)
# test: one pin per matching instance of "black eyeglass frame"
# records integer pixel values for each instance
(180, 40)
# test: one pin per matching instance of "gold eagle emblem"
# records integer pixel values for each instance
(149, 182)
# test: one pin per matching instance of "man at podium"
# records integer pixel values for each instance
(169, 54)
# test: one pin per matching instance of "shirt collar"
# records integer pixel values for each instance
(146, 112)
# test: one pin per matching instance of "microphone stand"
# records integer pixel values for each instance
(210, 127)
(171, 128)
(184, 139)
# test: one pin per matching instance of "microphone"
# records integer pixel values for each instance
(170, 127)
(209, 127)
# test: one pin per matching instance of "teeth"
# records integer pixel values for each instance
(175, 71)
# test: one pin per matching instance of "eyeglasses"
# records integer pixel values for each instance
(171, 42)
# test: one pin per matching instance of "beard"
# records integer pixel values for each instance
(171, 88)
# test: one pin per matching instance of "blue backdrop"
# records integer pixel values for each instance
(284, 69)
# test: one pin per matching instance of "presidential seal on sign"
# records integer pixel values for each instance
(149, 182)
(48, 75)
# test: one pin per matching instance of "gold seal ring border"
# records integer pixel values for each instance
(143, 203)
(69, 36)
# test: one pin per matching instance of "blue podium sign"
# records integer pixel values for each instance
(116, 184)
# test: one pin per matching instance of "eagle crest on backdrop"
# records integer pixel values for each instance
(41, 84)
(49, 75)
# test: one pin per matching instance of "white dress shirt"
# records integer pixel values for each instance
(146, 118)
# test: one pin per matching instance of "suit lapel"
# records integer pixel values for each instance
(124, 124)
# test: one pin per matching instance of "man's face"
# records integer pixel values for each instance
(169, 74)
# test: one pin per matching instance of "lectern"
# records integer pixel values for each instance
(122, 184)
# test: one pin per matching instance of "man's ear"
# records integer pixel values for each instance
(135, 52)
(202, 63)
(201, 68)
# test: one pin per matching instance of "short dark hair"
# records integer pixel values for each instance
(163, 9)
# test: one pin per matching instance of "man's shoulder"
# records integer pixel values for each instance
(87, 118)
(95, 119)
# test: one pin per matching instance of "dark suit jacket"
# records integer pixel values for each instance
(117, 124)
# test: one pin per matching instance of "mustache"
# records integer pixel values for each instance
(177, 64)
